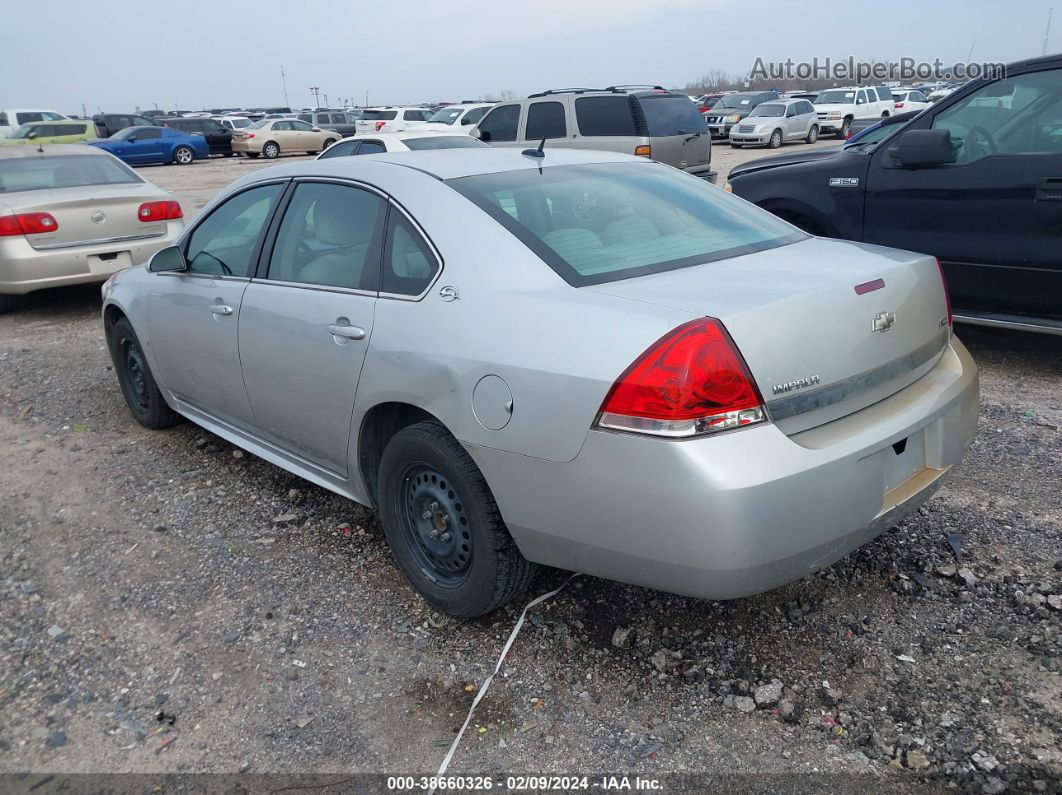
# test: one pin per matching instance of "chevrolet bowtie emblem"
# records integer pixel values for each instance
(883, 321)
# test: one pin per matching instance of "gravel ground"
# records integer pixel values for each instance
(167, 572)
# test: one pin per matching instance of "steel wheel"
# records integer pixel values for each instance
(776, 139)
(271, 151)
(139, 389)
(813, 134)
(135, 371)
(438, 526)
(182, 156)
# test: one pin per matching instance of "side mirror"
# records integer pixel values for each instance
(131, 139)
(920, 148)
(317, 129)
(167, 259)
(31, 134)
(483, 135)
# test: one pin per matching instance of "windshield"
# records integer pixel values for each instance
(603, 222)
(446, 115)
(711, 102)
(381, 115)
(66, 171)
(443, 142)
(258, 125)
(671, 115)
(836, 98)
(735, 101)
(769, 109)
(239, 123)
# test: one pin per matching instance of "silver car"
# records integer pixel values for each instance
(74, 214)
(775, 123)
(586, 360)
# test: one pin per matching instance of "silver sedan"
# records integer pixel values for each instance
(582, 359)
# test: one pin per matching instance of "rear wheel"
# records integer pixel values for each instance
(443, 525)
(813, 134)
(776, 140)
(328, 142)
(183, 155)
(271, 151)
(9, 302)
(141, 393)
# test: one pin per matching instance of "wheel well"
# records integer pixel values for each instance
(111, 315)
(380, 424)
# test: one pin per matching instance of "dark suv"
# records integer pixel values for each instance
(638, 120)
(975, 180)
(107, 124)
(218, 136)
(732, 108)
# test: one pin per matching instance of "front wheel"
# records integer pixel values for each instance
(141, 393)
(813, 134)
(271, 151)
(443, 525)
(776, 140)
(183, 155)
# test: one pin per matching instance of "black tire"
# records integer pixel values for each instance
(813, 134)
(846, 125)
(328, 142)
(252, 155)
(183, 156)
(429, 485)
(141, 393)
(884, 114)
(230, 154)
(776, 140)
(271, 151)
(9, 302)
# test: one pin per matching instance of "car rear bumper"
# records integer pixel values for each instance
(740, 513)
(703, 172)
(246, 146)
(24, 269)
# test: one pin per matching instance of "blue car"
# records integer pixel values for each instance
(138, 146)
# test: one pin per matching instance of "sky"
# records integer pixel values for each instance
(121, 55)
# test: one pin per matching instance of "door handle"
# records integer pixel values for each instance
(1049, 190)
(347, 332)
(221, 309)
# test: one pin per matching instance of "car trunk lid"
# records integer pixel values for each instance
(86, 216)
(826, 327)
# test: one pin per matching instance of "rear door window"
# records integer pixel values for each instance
(545, 120)
(605, 116)
(413, 115)
(341, 149)
(502, 123)
(372, 148)
(26, 118)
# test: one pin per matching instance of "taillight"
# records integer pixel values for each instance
(159, 211)
(250, 135)
(691, 382)
(379, 125)
(947, 295)
(899, 105)
(27, 224)
(643, 151)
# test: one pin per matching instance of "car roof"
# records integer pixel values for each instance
(445, 163)
(50, 150)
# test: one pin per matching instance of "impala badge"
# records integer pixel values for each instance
(883, 321)
(800, 383)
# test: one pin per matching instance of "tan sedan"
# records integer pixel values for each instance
(273, 137)
(71, 214)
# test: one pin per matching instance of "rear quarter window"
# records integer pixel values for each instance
(605, 116)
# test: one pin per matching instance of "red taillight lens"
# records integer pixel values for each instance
(159, 211)
(947, 295)
(899, 104)
(692, 381)
(380, 124)
(27, 224)
(250, 135)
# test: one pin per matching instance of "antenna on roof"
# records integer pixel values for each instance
(536, 152)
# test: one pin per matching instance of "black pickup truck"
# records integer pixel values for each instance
(975, 180)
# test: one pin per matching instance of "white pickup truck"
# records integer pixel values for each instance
(838, 107)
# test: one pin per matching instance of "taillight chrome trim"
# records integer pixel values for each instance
(708, 425)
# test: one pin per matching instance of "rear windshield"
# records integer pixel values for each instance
(671, 115)
(444, 142)
(66, 171)
(381, 115)
(604, 222)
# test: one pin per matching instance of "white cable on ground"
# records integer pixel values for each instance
(486, 682)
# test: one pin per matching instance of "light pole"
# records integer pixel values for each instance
(1047, 30)
(316, 96)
